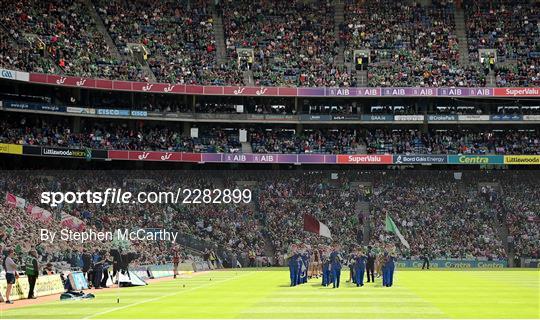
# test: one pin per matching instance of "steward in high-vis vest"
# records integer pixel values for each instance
(32, 272)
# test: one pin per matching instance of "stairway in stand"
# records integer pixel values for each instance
(219, 35)
(110, 43)
(339, 18)
(461, 34)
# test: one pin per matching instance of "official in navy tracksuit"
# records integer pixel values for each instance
(293, 266)
(360, 268)
(335, 262)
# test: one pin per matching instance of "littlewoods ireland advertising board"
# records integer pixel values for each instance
(522, 159)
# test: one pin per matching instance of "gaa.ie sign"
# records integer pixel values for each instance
(8, 74)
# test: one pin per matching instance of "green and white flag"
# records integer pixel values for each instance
(390, 226)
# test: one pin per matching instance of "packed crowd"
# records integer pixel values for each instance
(231, 228)
(406, 68)
(178, 35)
(415, 46)
(428, 30)
(462, 221)
(525, 73)
(308, 141)
(520, 214)
(21, 56)
(444, 217)
(21, 229)
(121, 136)
(511, 29)
(292, 43)
(116, 136)
(61, 36)
(383, 141)
(288, 43)
(283, 201)
(508, 26)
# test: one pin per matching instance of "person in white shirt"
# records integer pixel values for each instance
(11, 273)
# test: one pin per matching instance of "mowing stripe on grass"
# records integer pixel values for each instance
(165, 296)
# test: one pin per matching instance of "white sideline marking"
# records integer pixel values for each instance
(163, 296)
(324, 319)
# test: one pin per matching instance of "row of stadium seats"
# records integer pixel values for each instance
(291, 43)
(36, 131)
(294, 43)
(396, 142)
(117, 137)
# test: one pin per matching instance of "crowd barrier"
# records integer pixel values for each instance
(52, 284)
(45, 285)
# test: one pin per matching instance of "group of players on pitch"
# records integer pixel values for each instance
(326, 262)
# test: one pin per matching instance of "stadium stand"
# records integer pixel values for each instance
(449, 207)
(62, 32)
(179, 36)
(418, 46)
(368, 134)
(92, 134)
(290, 44)
(463, 223)
(233, 228)
(293, 44)
(507, 26)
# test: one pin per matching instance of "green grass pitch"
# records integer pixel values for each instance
(265, 294)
